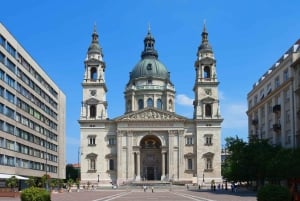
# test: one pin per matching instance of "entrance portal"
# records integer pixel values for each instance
(151, 159)
(150, 173)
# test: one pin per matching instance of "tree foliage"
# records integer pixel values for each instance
(273, 193)
(259, 161)
(35, 194)
(71, 172)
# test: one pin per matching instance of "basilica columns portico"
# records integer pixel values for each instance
(150, 141)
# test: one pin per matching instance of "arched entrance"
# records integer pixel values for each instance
(151, 159)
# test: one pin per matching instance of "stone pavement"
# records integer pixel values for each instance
(137, 194)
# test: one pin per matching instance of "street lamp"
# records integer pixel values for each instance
(78, 173)
(98, 178)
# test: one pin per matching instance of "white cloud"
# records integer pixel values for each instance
(234, 115)
(182, 99)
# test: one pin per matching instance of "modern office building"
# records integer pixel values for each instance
(274, 102)
(150, 141)
(32, 115)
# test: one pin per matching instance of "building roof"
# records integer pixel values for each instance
(149, 65)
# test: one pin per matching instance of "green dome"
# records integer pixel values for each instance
(149, 67)
(94, 48)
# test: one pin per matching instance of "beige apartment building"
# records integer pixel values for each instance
(274, 102)
(32, 115)
(150, 142)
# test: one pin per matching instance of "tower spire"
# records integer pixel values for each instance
(149, 41)
(205, 47)
(95, 49)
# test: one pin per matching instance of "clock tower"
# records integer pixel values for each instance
(94, 104)
(207, 111)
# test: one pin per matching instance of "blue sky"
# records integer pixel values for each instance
(247, 38)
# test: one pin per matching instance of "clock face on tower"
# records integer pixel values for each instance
(208, 91)
(93, 92)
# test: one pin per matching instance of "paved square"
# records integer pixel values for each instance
(158, 194)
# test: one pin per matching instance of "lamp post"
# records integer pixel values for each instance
(203, 177)
(98, 178)
(78, 173)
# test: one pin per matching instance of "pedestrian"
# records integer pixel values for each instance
(152, 189)
(144, 187)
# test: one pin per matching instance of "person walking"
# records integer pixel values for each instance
(152, 189)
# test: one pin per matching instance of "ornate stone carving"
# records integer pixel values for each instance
(151, 114)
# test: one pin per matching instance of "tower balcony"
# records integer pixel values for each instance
(276, 127)
(276, 108)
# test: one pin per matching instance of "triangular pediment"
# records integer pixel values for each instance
(150, 114)
(208, 100)
(92, 101)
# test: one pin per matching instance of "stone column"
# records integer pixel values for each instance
(163, 165)
(138, 166)
(119, 158)
(171, 156)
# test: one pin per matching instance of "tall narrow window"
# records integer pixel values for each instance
(208, 110)
(170, 105)
(149, 102)
(128, 106)
(208, 163)
(159, 104)
(93, 111)
(92, 164)
(93, 74)
(2, 41)
(141, 104)
(189, 164)
(2, 57)
(111, 164)
(207, 73)
(285, 75)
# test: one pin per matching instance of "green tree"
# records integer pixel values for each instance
(273, 193)
(12, 182)
(31, 182)
(70, 183)
(71, 172)
(233, 168)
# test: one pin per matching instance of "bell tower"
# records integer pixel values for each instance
(206, 103)
(94, 104)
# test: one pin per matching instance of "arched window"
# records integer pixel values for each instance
(159, 104)
(93, 74)
(93, 111)
(149, 102)
(207, 73)
(128, 106)
(208, 110)
(91, 161)
(141, 104)
(170, 105)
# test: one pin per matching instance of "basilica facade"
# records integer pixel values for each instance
(150, 141)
